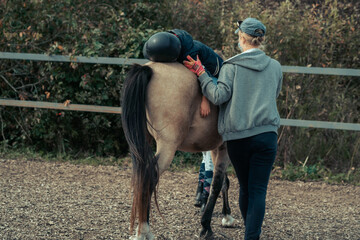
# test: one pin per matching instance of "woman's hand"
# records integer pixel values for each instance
(194, 66)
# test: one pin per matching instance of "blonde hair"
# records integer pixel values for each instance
(252, 40)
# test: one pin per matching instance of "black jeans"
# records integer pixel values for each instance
(253, 158)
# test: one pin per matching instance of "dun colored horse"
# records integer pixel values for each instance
(161, 101)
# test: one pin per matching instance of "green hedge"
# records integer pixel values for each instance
(300, 33)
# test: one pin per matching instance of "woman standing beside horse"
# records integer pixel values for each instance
(246, 92)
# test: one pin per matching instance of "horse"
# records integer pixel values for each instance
(161, 102)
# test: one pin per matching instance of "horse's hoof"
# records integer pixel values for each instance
(206, 234)
(137, 238)
(145, 233)
(134, 238)
(227, 221)
(149, 236)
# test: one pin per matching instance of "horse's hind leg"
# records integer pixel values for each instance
(164, 154)
(227, 220)
(221, 162)
(143, 230)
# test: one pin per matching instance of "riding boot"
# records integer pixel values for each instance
(198, 197)
(204, 199)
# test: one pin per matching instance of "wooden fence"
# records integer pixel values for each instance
(129, 61)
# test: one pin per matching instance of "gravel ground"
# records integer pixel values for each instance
(45, 200)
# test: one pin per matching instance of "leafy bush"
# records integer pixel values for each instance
(75, 28)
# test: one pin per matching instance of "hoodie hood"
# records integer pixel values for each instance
(255, 60)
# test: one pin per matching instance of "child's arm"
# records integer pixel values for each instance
(204, 107)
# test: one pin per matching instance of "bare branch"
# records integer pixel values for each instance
(2, 126)
(8, 83)
(29, 85)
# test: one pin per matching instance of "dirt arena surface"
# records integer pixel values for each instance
(44, 200)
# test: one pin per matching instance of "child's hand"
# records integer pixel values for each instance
(194, 66)
(204, 107)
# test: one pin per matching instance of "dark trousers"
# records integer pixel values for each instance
(252, 159)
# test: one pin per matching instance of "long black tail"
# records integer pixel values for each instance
(145, 169)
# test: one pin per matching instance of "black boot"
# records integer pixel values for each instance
(198, 196)
(204, 199)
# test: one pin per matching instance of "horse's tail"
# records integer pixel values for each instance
(145, 168)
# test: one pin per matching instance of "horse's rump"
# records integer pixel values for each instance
(173, 109)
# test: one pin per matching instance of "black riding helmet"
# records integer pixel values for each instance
(162, 47)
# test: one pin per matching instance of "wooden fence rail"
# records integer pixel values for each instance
(129, 61)
(126, 61)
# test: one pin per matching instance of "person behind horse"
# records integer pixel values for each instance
(206, 173)
(246, 92)
(162, 47)
(210, 59)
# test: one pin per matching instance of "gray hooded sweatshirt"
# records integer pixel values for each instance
(246, 93)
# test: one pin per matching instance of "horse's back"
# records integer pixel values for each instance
(173, 109)
(172, 92)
